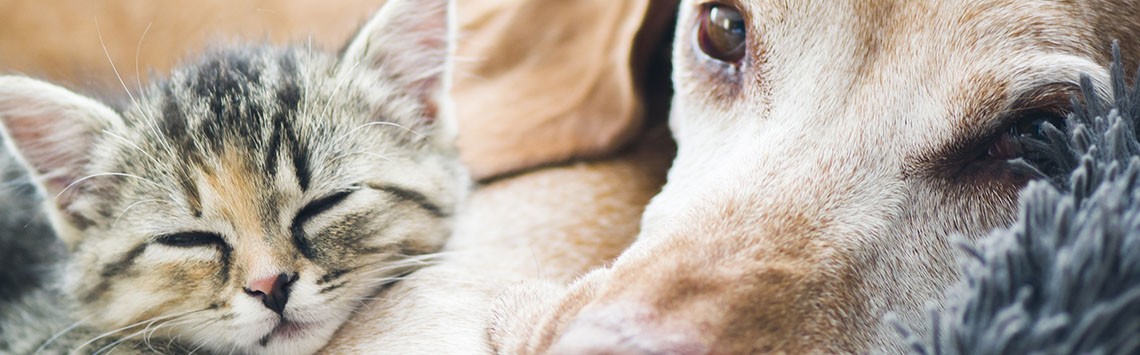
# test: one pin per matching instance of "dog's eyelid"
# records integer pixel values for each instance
(991, 122)
(733, 3)
(1053, 97)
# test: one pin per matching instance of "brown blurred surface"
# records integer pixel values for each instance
(59, 40)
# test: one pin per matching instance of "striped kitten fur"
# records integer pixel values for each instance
(247, 204)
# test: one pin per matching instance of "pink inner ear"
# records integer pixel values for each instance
(52, 130)
(55, 150)
(425, 59)
(408, 38)
(429, 100)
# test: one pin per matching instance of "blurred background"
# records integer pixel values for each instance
(59, 40)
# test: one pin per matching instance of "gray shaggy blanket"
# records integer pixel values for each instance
(1065, 278)
(28, 248)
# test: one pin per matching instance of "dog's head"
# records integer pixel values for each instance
(829, 152)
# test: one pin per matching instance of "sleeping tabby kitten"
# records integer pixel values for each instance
(247, 204)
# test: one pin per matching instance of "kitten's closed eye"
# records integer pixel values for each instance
(191, 240)
(308, 212)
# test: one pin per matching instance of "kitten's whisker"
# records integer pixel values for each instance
(132, 145)
(92, 176)
(202, 327)
(153, 327)
(56, 336)
(374, 155)
(121, 340)
(343, 155)
(133, 205)
(138, 50)
(439, 256)
(394, 268)
(379, 281)
(429, 256)
(341, 82)
(148, 335)
(153, 124)
(106, 52)
(413, 260)
(194, 330)
(113, 332)
(464, 251)
(307, 102)
(371, 283)
(115, 343)
(419, 136)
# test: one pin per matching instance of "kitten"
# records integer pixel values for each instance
(247, 204)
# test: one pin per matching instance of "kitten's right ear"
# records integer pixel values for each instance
(410, 40)
(52, 130)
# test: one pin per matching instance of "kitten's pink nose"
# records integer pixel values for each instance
(273, 291)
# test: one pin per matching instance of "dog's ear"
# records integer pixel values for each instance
(540, 82)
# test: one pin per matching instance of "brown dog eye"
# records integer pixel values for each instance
(1023, 138)
(722, 34)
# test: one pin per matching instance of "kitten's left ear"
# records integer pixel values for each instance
(53, 131)
(409, 40)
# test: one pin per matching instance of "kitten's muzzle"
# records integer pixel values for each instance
(273, 291)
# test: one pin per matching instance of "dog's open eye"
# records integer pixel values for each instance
(191, 240)
(1013, 144)
(1032, 138)
(1016, 141)
(722, 34)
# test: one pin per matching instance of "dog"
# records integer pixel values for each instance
(829, 155)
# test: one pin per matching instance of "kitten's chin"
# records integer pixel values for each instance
(290, 337)
(287, 338)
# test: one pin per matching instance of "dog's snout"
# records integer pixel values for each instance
(624, 330)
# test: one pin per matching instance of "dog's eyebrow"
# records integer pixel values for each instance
(985, 115)
(986, 112)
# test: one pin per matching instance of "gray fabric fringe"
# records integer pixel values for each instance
(1065, 278)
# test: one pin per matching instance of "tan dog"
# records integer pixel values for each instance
(829, 153)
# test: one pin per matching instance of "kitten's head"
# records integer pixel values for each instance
(255, 198)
